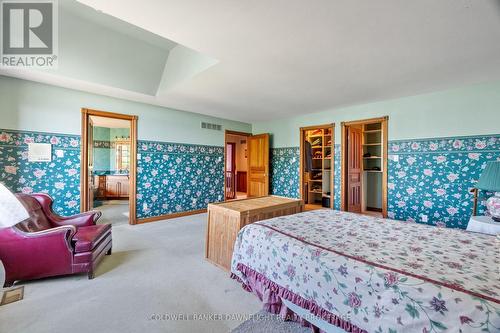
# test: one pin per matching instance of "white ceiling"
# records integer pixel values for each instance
(286, 57)
(106, 21)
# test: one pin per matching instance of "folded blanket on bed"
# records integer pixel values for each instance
(380, 275)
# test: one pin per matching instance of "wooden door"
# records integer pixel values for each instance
(230, 170)
(90, 163)
(354, 169)
(258, 165)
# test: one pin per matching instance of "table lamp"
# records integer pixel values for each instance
(12, 212)
(490, 181)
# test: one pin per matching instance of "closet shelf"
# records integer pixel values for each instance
(372, 158)
(373, 131)
(375, 171)
(315, 180)
(372, 144)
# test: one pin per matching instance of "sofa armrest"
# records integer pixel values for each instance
(80, 220)
(67, 232)
(21, 243)
(28, 255)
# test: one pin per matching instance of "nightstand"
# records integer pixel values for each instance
(483, 224)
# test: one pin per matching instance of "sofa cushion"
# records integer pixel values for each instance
(37, 220)
(87, 238)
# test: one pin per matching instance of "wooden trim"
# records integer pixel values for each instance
(366, 121)
(226, 133)
(324, 126)
(170, 216)
(332, 163)
(84, 188)
(385, 149)
(301, 165)
(343, 166)
(84, 172)
(230, 132)
(105, 114)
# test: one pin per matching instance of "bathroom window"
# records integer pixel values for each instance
(122, 155)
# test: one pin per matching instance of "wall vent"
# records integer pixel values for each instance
(214, 127)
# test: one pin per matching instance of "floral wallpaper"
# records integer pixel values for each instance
(173, 178)
(432, 178)
(170, 177)
(59, 178)
(285, 172)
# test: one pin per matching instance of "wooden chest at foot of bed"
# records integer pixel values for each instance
(226, 219)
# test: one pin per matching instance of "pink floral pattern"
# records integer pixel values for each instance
(384, 275)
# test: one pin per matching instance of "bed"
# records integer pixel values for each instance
(365, 274)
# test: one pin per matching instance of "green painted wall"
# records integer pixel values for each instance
(105, 158)
(101, 155)
(101, 133)
(471, 110)
(31, 106)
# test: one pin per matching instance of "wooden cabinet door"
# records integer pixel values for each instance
(355, 169)
(124, 187)
(111, 188)
(258, 165)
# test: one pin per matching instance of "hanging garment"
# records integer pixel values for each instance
(308, 155)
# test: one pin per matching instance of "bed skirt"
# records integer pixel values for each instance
(271, 294)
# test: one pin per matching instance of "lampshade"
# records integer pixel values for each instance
(490, 178)
(12, 210)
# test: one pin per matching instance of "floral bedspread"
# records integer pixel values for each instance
(382, 275)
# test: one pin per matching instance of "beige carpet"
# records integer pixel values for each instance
(114, 211)
(156, 268)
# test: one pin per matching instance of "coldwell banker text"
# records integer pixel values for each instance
(29, 33)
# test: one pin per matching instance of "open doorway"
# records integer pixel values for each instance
(109, 142)
(316, 166)
(364, 166)
(241, 148)
(236, 165)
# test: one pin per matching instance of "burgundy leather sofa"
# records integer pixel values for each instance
(47, 244)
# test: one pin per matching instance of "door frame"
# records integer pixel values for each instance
(343, 163)
(301, 160)
(84, 172)
(226, 133)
